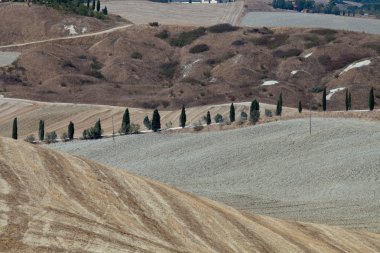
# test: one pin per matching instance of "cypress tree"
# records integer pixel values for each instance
(156, 121)
(371, 101)
(347, 101)
(98, 6)
(88, 4)
(41, 130)
(70, 130)
(182, 117)
(105, 11)
(255, 111)
(14, 130)
(255, 106)
(300, 107)
(208, 118)
(232, 112)
(126, 123)
(97, 130)
(279, 105)
(324, 102)
(93, 5)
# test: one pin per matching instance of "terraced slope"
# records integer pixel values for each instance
(275, 169)
(53, 202)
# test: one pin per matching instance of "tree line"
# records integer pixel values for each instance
(154, 124)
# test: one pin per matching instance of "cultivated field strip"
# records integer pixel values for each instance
(276, 169)
(143, 12)
(54, 202)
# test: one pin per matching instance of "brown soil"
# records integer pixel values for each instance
(54, 202)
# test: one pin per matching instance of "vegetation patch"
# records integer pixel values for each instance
(136, 55)
(168, 69)
(311, 40)
(288, 53)
(264, 31)
(373, 45)
(186, 38)
(199, 48)
(343, 60)
(164, 34)
(222, 28)
(317, 89)
(271, 41)
(238, 43)
(324, 32)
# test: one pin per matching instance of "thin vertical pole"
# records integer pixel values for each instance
(310, 117)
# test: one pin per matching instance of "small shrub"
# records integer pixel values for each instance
(169, 69)
(317, 89)
(154, 24)
(207, 74)
(169, 124)
(198, 126)
(186, 38)
(263, 30)
(30, 138)
(323, 31)
(238, 43)
(51, 137)
(212, 61)
(136, 55)
(134, 128)
(312, 40)
(222, 28)
(268, 113)
(96, 74)
(288, 53)
(95, 65)
(164, 34)
(199, 48)
(64, 137)
(271, 41)
(219, 118)
(68, 64)
(243, 116)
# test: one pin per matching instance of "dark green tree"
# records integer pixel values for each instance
(126, 123)
(324, 102)
(98, 6)
(371, 100)
(41, 130)
(347, 102)
(279, 105)
(182, 117)
(70, 131)
(300, 107)
(93, 5)
(98, 130)
(156, 121)
(88, 3)
(105, 10)
(254, 112)
(232, 112)
(208, 118)
(14, 130)
(147, 123)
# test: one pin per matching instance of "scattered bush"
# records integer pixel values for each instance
(317, 89)
(186, 38)
(222, 28)
(147, 123)
(343, 60)
(199, 48)
(164, 34)
(238, 43)
(219, 118)
(154, 24)
(51, 137)
(30, 138)
(169, 124)
(288, 53)
(271, 41)
(373, 45)
(243, 116)
(212, 61)
(311, 40)
(136, 55)
(263, 30)
(198, 126)
(169, 69)
(64, 137)
(268, 113)
(323, 31)
(134, 128)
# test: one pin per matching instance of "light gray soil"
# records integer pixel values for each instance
(276, 169)
(7, 58)
(307, 20)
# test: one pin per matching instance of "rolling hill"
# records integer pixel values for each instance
(276, 169)
(54, 202)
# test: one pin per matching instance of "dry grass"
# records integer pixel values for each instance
(53, 202)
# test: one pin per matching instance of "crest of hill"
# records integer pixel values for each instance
(20, 23)
(54, 202)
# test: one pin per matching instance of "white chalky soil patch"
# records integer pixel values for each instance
(308, 55)
(7, 58)
(333, 91)
(294, 72)
(269, 82)
(71, 29)
(356, 65)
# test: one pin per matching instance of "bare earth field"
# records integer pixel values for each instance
(144, 11)
(290, 19)
(275, 169)
(54, 202)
